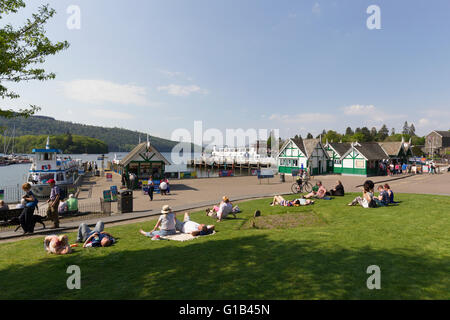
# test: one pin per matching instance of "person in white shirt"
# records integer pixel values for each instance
(221, 211)
(367, 197)
(192, 227)
(163, 187)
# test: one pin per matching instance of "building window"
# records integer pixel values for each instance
(337, 161)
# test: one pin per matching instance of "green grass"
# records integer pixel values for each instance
(327, 260)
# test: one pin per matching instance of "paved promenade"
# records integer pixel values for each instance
(200, 193)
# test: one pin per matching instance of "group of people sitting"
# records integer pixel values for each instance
(368, 199)
(167, 224)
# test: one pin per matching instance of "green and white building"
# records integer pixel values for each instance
(335, 152)
(398, 151)
(303, 154)
(363, 159)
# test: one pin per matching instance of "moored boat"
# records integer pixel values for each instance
(49, 164)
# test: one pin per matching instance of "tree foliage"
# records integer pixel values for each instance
(70, 144)
(117, 139)
(22, 50)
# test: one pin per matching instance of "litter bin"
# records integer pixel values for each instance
(282, 179)
(125, 201)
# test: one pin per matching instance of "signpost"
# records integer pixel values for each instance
(265, 174)
(107, 195)
(114, 192)
(109, 176)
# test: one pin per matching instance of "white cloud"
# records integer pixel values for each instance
(179, 90)
(303, 118)
(374, 115)
(358, 109)
(175, 74)
(101, 91)
(108, 114)
(316, 8)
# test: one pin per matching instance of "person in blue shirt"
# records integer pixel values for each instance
(387, 188)
(383, 199)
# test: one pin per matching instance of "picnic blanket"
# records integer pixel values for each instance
(184, 236)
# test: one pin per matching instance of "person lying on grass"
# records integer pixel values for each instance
(94, 238)
(166, 224)
(221, 211)
(383, 198)
(57, 244)
(366, 200)
(320, 193)
(192, 227)
(279, 200)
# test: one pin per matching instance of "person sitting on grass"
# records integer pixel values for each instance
(57, 244)
(221, 211)
(96, 237)
(387, 188)
(192, 227)
(367, 197)
(166, 224)
(338, 190)
(383, 198)
(279, 200)
(320, 193)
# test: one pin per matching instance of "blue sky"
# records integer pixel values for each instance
(297, 66)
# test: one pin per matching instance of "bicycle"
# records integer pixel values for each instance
(305, 186)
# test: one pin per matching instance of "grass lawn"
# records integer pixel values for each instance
(325, 256)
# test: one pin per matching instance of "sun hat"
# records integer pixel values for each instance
(166, 209)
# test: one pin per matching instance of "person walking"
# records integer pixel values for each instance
(53, 203)
(26, 217)
(151, 188)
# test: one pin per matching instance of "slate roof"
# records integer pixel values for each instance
(310, 145)
(445, 134)
(392, 148)
(306, 146)
(141, 148)
(340, 148)
(371, 151)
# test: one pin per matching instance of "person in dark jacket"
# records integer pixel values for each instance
(26, 217)
(338, 190)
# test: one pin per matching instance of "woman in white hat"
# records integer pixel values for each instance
(166, 224)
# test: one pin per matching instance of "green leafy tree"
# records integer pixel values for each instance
(383, 133)
(349, 131)
(412, 130)
(22, 50)
(405, 128)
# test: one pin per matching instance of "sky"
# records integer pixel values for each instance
(297, 66)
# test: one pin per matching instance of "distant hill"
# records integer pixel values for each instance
(67, 143)
(117, 139)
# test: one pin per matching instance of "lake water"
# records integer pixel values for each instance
(16, 174)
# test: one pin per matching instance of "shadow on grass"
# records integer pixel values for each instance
(246, 267)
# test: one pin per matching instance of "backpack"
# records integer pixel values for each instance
(372, 204)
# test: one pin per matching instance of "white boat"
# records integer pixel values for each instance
(242, 155)
(51, 164)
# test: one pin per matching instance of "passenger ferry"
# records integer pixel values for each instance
(49, 164)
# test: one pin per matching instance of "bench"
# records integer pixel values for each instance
(6, 215)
